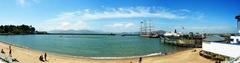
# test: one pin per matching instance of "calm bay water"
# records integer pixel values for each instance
(91, 45)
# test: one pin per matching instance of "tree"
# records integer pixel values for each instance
(12, 29)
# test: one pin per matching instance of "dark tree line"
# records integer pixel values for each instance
(20, 29)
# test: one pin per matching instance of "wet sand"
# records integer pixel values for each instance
(26, 55)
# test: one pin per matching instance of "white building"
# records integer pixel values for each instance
(231, 49)
(171, 34)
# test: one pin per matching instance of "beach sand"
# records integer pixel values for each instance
(26, 55)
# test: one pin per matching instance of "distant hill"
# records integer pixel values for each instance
(129, 33)
(77, 31)
(159, 31)
(99, 32)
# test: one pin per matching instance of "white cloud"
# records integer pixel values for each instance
(122, 25)
(133, 12)
(65, 23)
(128, 13)
(185, 10)
(79, 19)
(72, 26)
(24, 3)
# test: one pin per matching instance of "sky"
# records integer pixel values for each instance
(207, 16)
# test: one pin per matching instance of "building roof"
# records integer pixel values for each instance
(171, 34)
(224, 49)
(213, 38)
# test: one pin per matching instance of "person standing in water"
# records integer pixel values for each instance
(45, 56)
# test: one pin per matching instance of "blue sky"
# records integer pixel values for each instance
(211, 16)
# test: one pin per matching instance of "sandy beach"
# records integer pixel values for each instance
(26, 55)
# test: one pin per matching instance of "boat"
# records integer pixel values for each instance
(182, 40)
(147, 31)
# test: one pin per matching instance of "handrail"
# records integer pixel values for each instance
(235, 59)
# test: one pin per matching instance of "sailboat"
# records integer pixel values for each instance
(146, 30)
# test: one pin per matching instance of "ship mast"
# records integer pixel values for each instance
(150, 27)
(146, 27)
(141, 28)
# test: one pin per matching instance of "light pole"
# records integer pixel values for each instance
(238, 23)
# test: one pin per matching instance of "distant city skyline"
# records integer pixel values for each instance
(210, 16)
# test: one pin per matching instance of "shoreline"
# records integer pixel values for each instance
(23, 54)
(100, 58)
(65, 55)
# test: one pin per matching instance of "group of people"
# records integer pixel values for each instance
(10, 51)
(43, 58)
(10, 54)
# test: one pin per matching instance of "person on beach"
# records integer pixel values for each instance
(2, 51)
(194, 50)
(140, 60)
(41, 58)
(10, 47)
(45, 56)
(10, 51)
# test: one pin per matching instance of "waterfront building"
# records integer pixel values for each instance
(229, 49)
(172, 34)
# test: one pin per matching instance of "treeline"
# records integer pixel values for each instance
(19, 29)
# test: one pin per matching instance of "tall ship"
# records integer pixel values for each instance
(146, 30)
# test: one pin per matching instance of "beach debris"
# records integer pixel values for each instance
(194, 50)
(15, 60)
(164, 53)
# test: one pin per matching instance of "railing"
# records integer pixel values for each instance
(235, 59)
(231, 50)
